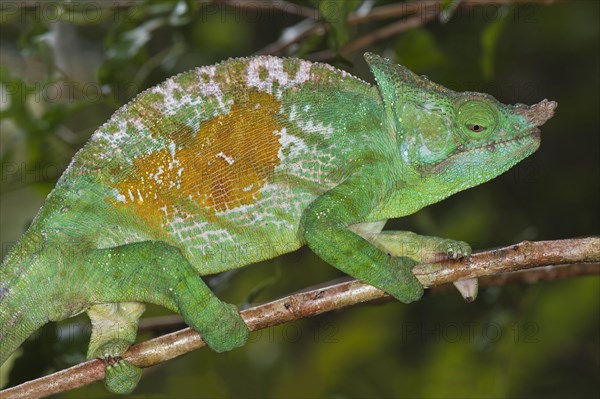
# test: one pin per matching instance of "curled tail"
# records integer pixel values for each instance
(29, 293)
(20, 316)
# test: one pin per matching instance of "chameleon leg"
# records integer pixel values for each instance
(154, 272)
(114, 328)
(421, 249)
(427, 249)
(219, 323)
(326, 230)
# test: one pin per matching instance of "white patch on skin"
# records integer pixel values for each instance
(168, 90)
(312, 127)
(210, 238)
(275, 73)
(211, 88)
(115, 138)
(274, 69)
(424, 150)
(404, 146)
(274, 199)
(175, 96)
(227, 158)
(124, 129)
(157, 174)
(120, 197)
(305, 162)
(303, 73)
(292, 114)
(309, 125)
(294, 144)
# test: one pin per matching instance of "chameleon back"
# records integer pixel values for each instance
(222, 160)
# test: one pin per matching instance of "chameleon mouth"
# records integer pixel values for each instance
(533, 133)
(522, 145)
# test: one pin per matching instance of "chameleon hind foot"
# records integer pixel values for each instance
(219, 323)
(228, 332)
(114, 327)
(121, 377)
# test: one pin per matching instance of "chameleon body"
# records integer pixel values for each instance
(242, 161)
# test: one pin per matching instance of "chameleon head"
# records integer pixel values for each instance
(457, 140)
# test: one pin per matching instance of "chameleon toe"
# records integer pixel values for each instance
(454, 249)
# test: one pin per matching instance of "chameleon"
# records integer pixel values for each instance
(230, 164)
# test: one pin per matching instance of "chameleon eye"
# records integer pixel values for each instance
(476, 128)
(476, 119)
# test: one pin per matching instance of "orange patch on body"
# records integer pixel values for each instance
(222, 167)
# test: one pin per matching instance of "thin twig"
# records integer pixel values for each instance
(521, 256)
(389, 11)
(298, 32)
(420, 12)
(277, 5)
(375, 36)
(168, 323)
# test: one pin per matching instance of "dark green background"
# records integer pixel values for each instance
(538, 340)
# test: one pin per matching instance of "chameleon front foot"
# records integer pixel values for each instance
(121, 377)
(453, 249)
(422, 249)
(114, 326)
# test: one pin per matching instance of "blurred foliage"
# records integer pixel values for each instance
(65, 69)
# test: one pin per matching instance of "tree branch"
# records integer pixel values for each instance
(578, 257)
(407, 15)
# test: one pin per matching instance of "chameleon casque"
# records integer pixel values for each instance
(230, 164)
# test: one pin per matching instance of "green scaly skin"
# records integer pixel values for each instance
(242, 161)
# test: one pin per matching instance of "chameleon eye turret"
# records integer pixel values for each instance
(476, 119)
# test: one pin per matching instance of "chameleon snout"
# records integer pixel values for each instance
(539, 113)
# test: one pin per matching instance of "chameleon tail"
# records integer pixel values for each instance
(26, 298)
(20, 316)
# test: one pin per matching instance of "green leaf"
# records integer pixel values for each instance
(334, 13)
(417, 50)
(489, 40)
